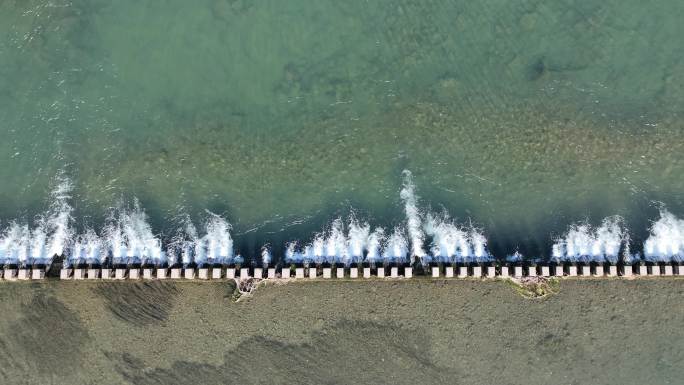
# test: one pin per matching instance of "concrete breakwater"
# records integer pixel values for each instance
(482, 271)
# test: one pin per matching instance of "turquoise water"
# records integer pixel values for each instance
(522, 116)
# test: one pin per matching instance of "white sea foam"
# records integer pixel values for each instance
(336, 244)
(455, 243)
(266, 256)
(396, 247)
(186, 242)
(413, 216)
(293, 256)
(375, 242)
(354, 243)
(217, 245)
(14, 244)
(49, 237)
(128, 238)
(584, 243)
(87, 248)
(357, 241)
(666, 240)
(59, 219)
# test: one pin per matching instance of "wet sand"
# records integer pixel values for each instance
(419, 331)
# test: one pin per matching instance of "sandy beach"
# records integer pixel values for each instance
(419, 331)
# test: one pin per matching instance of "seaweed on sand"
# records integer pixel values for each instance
(535, 287)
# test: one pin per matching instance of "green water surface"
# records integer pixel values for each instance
(523, 116)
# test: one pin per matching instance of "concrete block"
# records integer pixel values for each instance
(532, 271)
(118, 273)
(381, 272)
(230, 273)
(285, 273)
(189, 273)
(572, 271)
(107, 273)
(680, 270)
(558, 271)
(37, 274)
(134, 273)
(216, 273)
(24, 274)
(504, 271)
(93, 273)
(271, 273)
(545, 271)
(491, 271)
(518, 271)
(408, 272)
(643, 270)
(435, 272)
(176, 273)
(394, 272)
(10, 274)
(299, 273)
(327, 272)
(668, 271)
(477, 271)
(462, 272)
(612, 271)
(449, 272)
(586, 271)
(65, 274)
(203, 273)
(354, 272)
(258, 273)
(79, 274)
(655, 270)
(340, 272)
(313, 272)
(366, 272)
(599, 271)
(627, 270)
(162, 273)
(244, 273)
(147, 274)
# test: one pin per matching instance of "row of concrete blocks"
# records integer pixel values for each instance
(557, 271)
(367, 272)
(340, 272)
(22, 274)
(230, 273)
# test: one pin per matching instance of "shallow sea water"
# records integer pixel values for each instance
(522, 116)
